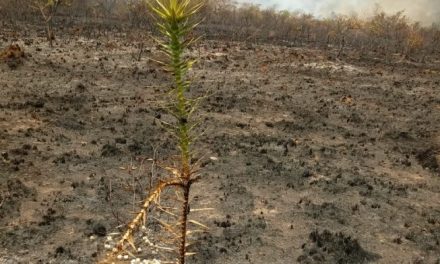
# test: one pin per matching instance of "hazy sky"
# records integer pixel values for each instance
(426, 11)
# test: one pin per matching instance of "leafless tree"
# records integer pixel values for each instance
(48, 9)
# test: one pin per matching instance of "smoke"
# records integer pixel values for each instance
(424, 11)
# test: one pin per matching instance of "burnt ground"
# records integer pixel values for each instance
(316, 160)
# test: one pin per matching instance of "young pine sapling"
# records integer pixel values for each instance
(175, 23)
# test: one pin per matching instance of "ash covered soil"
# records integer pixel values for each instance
(316, 160)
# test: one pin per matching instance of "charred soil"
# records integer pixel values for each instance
(316, 160)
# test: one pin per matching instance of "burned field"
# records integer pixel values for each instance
(309, 158)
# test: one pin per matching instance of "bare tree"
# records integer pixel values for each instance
(48, 9)
(342, 25)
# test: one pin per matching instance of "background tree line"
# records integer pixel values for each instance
(382, 34)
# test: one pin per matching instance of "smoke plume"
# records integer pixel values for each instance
(424, 11)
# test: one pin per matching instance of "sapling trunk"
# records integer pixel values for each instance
(183, 136)
(174, 24)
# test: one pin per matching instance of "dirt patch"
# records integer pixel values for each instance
(11, 197)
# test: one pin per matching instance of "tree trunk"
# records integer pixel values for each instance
(341, 48)
(49, 33)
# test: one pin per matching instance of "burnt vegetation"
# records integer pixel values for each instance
(387, 36)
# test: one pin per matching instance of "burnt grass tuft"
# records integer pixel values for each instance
(329, 247)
